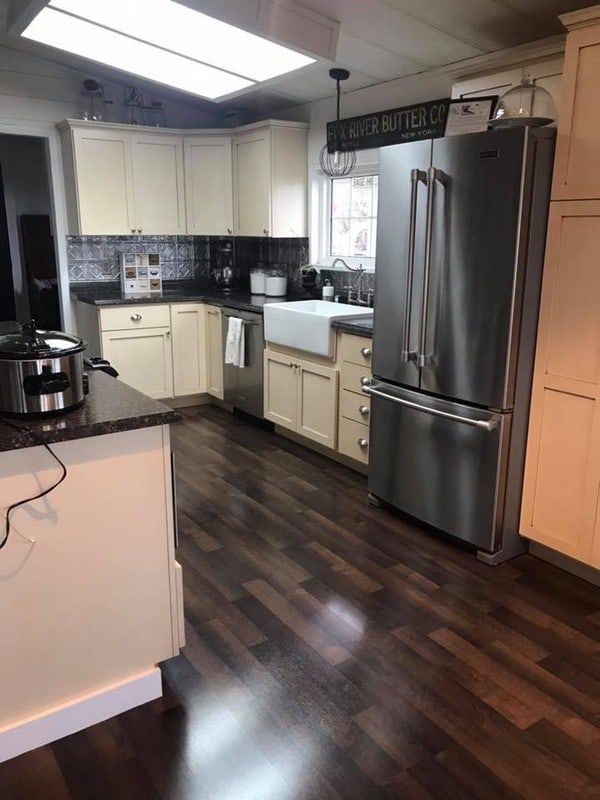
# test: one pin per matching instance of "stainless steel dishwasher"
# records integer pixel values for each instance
(243, 387)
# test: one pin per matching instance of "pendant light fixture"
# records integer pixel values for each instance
(341, 162)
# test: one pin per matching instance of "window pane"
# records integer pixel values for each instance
(362, 197)
(340, 197)
(360, 237)
(375, 194)
(340, 237)
(373, 247)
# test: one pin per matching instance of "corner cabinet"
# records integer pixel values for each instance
(209, 185)
(301, 396)
(270, 180)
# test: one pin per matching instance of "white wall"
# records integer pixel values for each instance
(35, 90)
(26, 191)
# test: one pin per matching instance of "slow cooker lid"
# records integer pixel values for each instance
(31, 343)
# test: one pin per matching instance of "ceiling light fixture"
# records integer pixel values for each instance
(164, 41)
(341, 162)
(190, 33)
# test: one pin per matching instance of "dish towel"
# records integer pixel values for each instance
(235, 345)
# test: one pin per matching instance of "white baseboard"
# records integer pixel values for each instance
(59, 721)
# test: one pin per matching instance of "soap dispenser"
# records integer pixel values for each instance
(328, 291)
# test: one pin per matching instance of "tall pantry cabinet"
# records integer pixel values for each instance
(561, 492)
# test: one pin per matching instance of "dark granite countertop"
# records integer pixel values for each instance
(110, 407)
(109, 294)
(362, 326)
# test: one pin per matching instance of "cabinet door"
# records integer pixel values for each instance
(317, 403)
(158, 188)
(577, 164)
(562, 470)
(102, 170)
(209, 185)
(281, 390)
(252, 183)
(189, 349)
(214, 351)
(142, 358)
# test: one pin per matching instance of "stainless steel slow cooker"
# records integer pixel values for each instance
(41, 372)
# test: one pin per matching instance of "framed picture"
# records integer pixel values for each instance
(470, 115)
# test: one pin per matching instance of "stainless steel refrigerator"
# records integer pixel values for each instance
(460, 246)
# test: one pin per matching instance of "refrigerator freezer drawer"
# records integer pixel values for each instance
(441, 462)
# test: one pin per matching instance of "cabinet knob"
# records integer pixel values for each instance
(229, 230)
(366, 352)
(135, 317)
(364, 381)
(167, 333)
(133, 230)
(363, 443)
(139, 230)
(266, 231)
(364, 411)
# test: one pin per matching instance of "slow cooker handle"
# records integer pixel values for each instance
(46, 383)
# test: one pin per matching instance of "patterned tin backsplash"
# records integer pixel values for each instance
(96, 258)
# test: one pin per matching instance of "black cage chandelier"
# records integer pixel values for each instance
(341, 162)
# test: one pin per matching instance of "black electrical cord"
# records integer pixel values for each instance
(11, 508)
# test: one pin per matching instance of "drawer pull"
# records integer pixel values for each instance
(364, 381)
(366, 352)
(135, 317)
(364, 411)
(363, 443)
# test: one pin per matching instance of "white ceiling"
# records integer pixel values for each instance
(384, 39)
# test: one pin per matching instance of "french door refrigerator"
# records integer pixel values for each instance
(460, 245)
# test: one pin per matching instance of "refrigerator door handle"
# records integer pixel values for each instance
(476, 423)
(416, 176)
(433, 175)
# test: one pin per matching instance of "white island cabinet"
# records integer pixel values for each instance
(91, 594)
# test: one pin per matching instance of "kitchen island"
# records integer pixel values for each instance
(90, 592)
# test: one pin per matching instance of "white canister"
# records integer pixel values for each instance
(257, 281)
(276, 286)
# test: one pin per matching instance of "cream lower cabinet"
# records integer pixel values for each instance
(188, 327)
(214, 352)
(301, 396)
(143, 359)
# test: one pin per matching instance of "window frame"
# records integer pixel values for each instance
(322, 196)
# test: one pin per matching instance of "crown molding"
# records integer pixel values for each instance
(581, 19)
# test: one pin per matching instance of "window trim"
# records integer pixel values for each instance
(321, 239)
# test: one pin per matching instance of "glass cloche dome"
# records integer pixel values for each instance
(525, 104)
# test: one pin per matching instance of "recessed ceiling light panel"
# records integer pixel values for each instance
(86, 39)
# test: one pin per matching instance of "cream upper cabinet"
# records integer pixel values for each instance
(188, 337)
(562, 471)
(209, 185)
(143, 358)
(214, 352)
(97, 165)
(158, 186)
(270, 181)
(577, 165)
(301, 396)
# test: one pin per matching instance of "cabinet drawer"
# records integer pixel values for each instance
(357, 349)
(353, 376)
(353, 406)
(127, 318)
(353, 440)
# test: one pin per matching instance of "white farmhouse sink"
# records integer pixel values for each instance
(306, 324)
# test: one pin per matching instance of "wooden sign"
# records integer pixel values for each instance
(397, 125)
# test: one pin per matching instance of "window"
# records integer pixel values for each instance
(353, 216)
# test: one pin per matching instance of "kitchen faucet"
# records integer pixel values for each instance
(359, 300)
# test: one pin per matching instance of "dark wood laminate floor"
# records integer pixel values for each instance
(334, 651)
